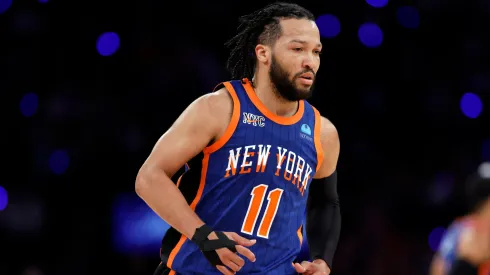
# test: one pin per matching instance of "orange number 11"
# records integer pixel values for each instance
(258, 195)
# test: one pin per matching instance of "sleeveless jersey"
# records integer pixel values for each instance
(449, 244)
(253, 181)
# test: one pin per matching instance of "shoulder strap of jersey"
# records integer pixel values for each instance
(317, 137)
(232, 125)
(218, 86)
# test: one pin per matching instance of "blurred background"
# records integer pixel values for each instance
(87, 87)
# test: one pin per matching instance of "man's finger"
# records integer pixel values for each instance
(224, 270)
(241, 240)
(299, 268)
(231, 265)
(238, 260)
(305, 264)
(235, 259)
(245, 252)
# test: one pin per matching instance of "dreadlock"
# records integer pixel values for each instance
(260, 27)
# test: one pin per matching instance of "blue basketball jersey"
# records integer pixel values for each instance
(254, 181)
(449, 243)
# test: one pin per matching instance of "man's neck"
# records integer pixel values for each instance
(264, 89)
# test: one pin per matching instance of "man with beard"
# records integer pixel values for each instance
(260, 160)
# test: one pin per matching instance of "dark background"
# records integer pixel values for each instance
(77, 125)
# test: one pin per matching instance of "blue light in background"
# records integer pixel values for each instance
(5, 5)
(136, 228)
(108, 43)
(471, 105)
(435, 237)
(59, 161)
(29, 104)
(370, 35)
(408, 17)
(43, 1)
(377, 3)
(328, 25)
(3, 198)
(485, 150)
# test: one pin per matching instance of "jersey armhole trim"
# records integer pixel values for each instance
(230, 130)
(202, 182)
(300, 235)
(317, 139)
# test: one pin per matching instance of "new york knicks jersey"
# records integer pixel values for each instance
(449, 244)
(253, 181)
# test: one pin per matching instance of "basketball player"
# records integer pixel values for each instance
(258, 155)
(465, 248)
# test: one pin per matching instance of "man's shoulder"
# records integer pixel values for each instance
(218, 101)
(218, 107)
(450, 238)
(327, 126)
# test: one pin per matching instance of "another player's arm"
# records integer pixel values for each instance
(437, 266)
(200, 124)
(473, 250)
(323, 209)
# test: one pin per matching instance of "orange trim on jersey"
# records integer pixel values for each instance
(300, 235)
(173, 253)
(235, 117)
(171, 272)
(217, 86)
(318, 141)
(277, 119)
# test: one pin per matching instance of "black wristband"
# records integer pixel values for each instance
(209, 247)
(201, 235)
(463, 267)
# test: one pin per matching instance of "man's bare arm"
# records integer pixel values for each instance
(202, 122)
(329, 138)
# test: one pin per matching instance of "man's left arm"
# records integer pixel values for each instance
(323, 210)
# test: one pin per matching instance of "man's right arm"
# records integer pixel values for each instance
(200, 124)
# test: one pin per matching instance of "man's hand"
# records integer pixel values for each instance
(317, 267)
(232, 261)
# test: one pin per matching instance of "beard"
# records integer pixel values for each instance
(286, 88)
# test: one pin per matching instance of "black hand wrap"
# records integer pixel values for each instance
(208, 247)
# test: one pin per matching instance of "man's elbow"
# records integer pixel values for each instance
(148, 176)
(323, 191)
(143, 180)
(334, 202)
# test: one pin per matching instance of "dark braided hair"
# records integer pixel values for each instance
(260, 27)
